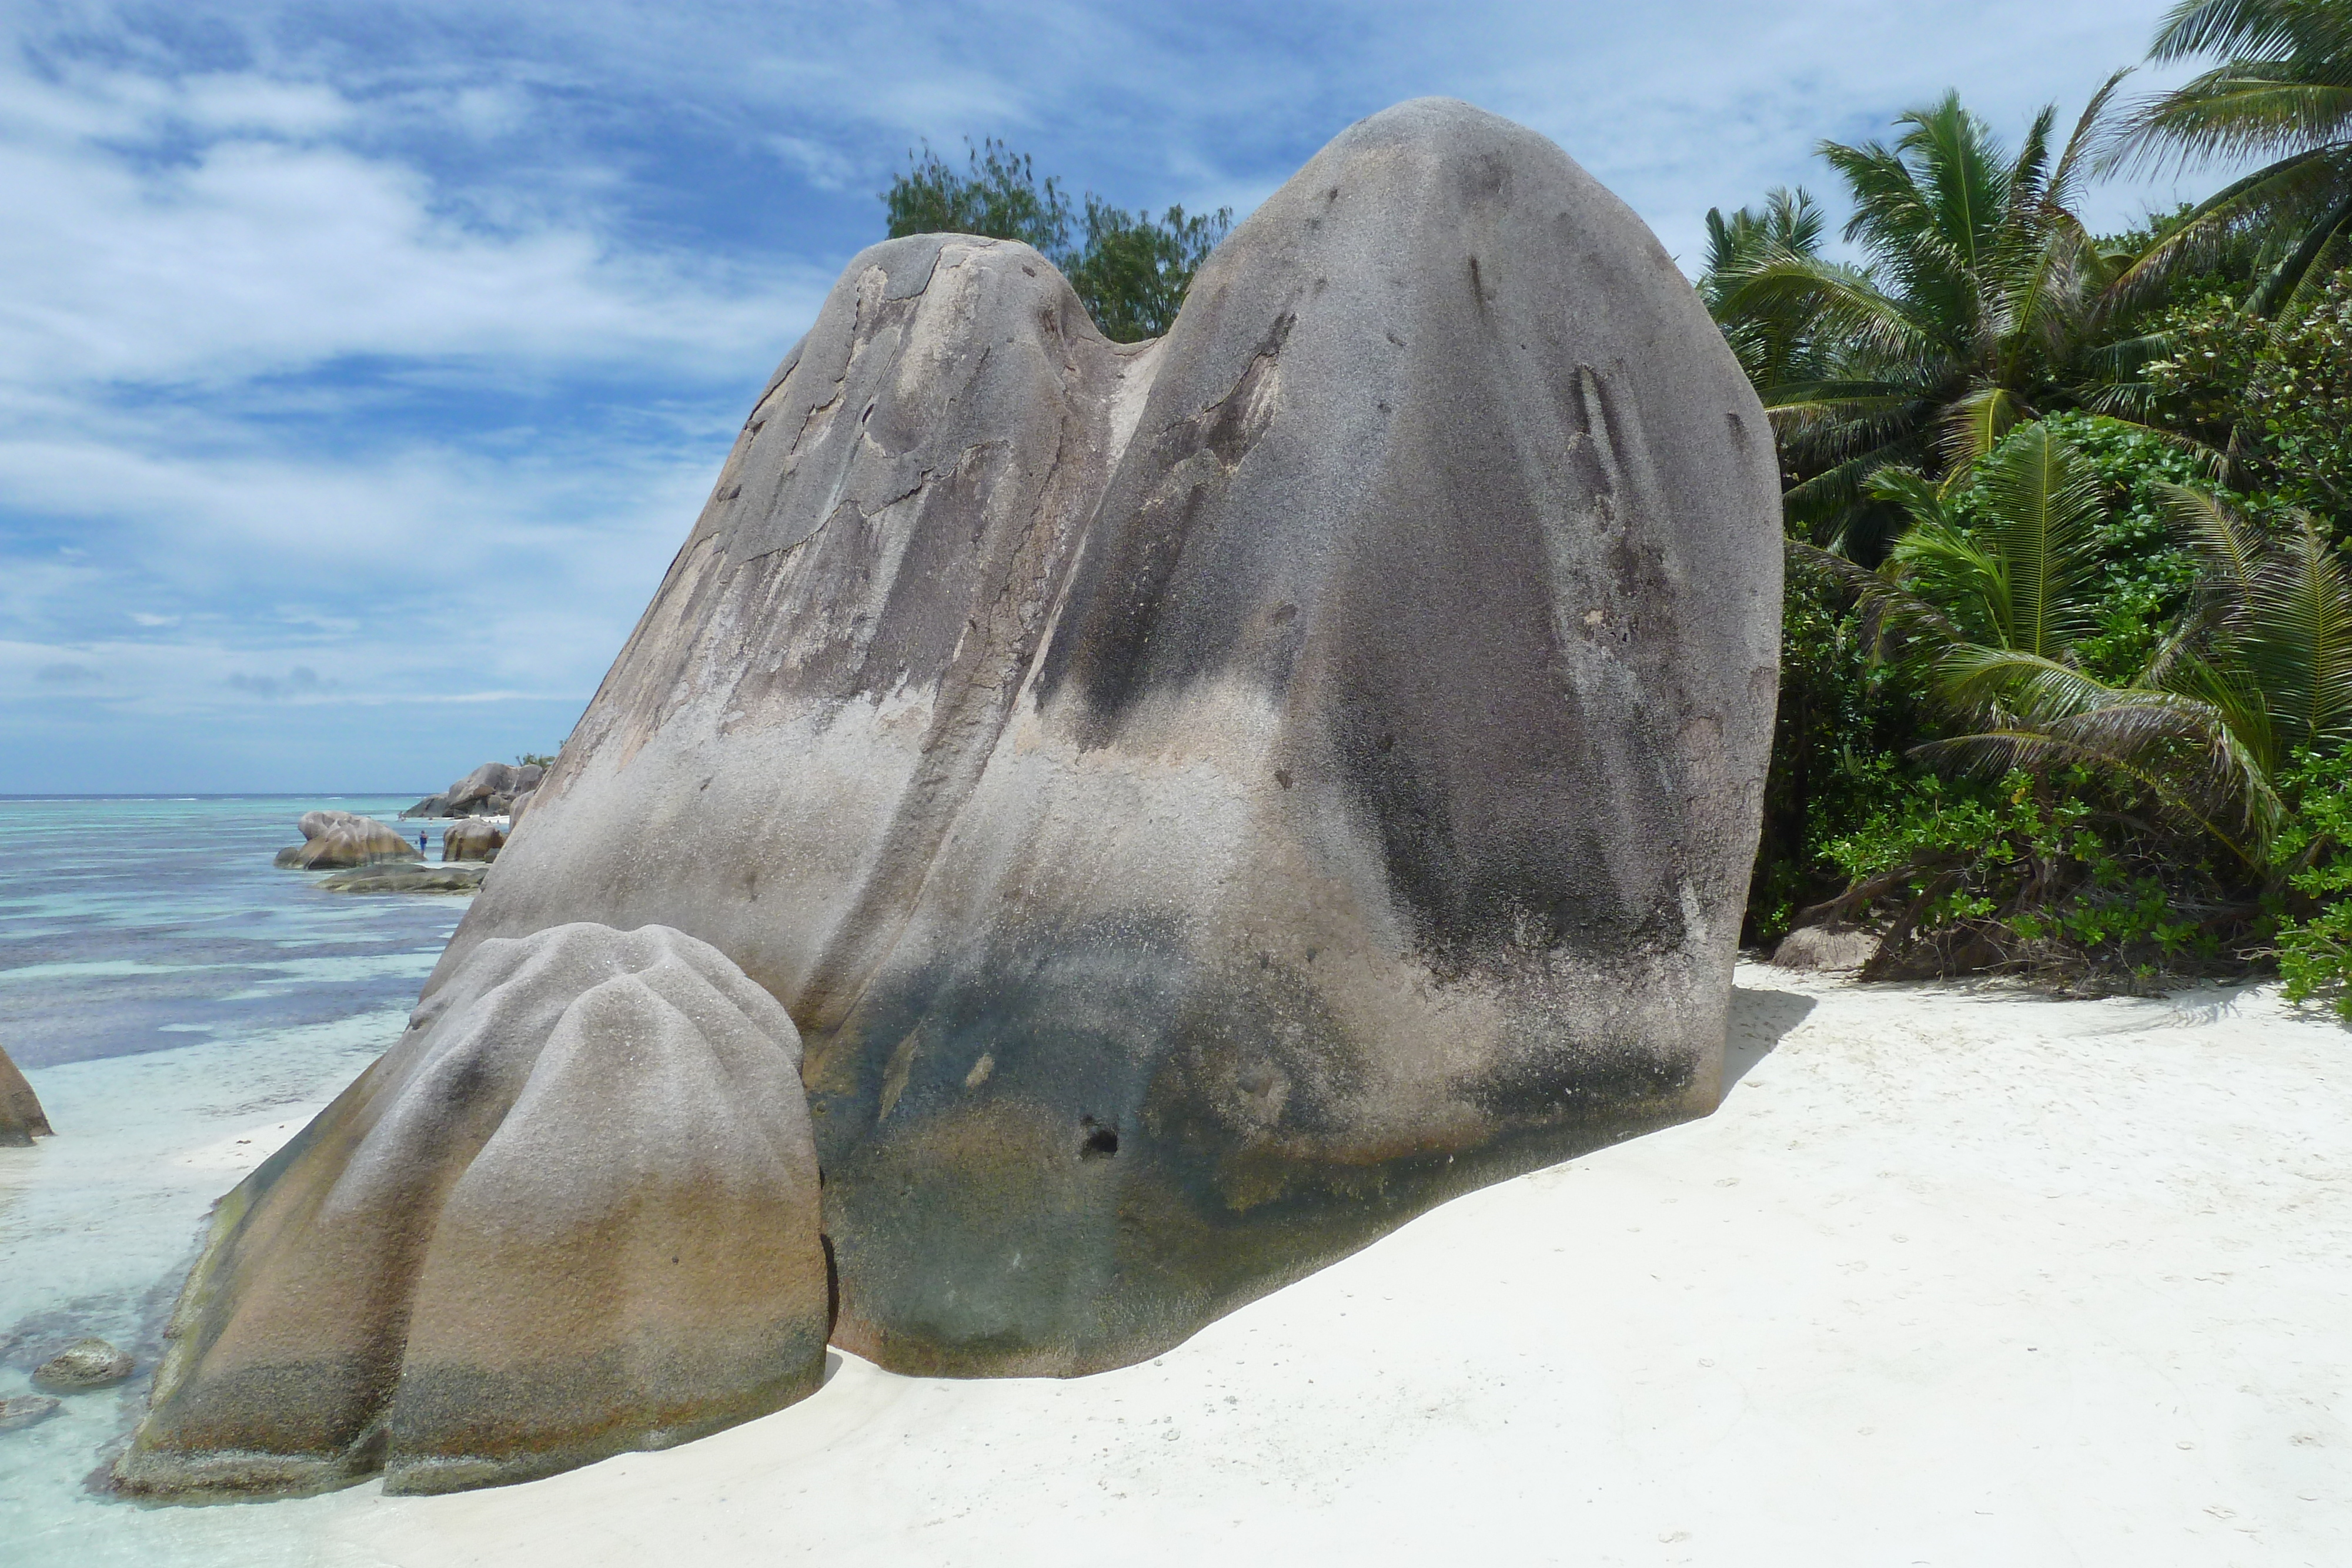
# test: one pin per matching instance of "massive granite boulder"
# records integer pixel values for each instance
(21, 1117)
(573, 1211)
(1205, 802)
(334, 838)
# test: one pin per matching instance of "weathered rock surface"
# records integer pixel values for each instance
(356, 840)
(518, 806)
(473, 839)
(21, 1117)
(393, 876)
(85, 1363)
(313, 823)
(573, 1211)
(26, 1410)
(1206, 801)
(1827, 948)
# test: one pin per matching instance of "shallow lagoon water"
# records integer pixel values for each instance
(168, 992)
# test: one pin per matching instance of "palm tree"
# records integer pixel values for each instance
(1989, 614)
(1972, 313)
(2282, 91)
(1774, 344)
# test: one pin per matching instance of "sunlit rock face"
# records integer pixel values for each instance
(1204, 803)
(574, 1211)
(332, 839)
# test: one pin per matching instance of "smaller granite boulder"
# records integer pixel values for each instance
(21, 1117)
(431, 806)
(313, 823)
(361, 840)
(472, 840)
(85, 1363)
(572, 1212)
(25, 1410)
(516, 807)
(1825, 948)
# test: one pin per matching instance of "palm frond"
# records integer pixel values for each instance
(2040, 505)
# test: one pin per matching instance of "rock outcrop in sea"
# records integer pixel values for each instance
(573, 1211)
(21, 1117)
(488, 792)
(1202, 802)
(337, 839)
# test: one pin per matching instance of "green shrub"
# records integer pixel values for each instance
(2028, 876)
(2315, 848)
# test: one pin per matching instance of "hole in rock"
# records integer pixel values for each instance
(1101, 1141)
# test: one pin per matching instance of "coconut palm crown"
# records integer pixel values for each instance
(1972, 311)
(2284, 91)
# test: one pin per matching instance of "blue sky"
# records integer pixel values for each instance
(361, 365)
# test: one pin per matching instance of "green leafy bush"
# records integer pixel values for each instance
(2279, 392)
(2315, 847)
(2028, 876)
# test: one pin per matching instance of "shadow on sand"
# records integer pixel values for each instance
(1759, 1020)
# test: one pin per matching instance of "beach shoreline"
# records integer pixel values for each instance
(1959, 1274)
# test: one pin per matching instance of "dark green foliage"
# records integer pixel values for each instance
(998, 196)
(1133, 272)
(1129, 270)
(1843, 718)
(534, 758)
(2032, 874)
(2314, 941)
(2275, 394)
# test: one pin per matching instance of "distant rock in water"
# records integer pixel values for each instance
(472, 841)
(394, 876)
(1207, 802)
(85, 1363)
(26, 1410)
(572, 1212)
(487, 790)
(21, 1117)
(350, 842)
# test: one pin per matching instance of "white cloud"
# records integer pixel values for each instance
(399, 343)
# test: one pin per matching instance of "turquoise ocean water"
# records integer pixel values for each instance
(167, 991)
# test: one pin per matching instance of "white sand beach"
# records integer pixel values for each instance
(1957, 1276)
